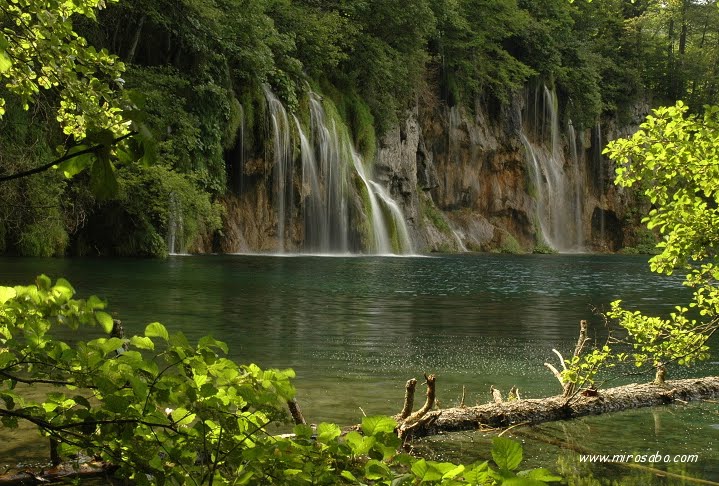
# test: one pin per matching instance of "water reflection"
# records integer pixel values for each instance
(355, 329)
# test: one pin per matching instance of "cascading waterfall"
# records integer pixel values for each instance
(556, 196)
(328, 162)
(382, 243)
(174, 226)
(283, 167)
(398, 232)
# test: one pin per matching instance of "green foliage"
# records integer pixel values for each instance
(167, 412)
(388, 55)
(672, 159)
(355, 112)
(582, 370)
(39, 50)
(138, 221)
(435, 217)
(543, 249)
(44, 239)
(509, 244)
(189, 118)
(472, 39)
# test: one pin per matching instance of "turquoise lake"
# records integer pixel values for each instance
(356, 328)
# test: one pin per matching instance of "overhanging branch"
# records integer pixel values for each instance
(49, 165)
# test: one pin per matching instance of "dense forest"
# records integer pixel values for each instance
(201, 73)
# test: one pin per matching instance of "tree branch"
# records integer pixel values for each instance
(49, 165)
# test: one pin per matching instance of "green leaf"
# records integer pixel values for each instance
(375, 470)
(378, 424)
(73, 166)
(326, 433)
(518, 481)
(540, 474)
(5, 62)
(182, 417)
(116, 403)
(102, 177)
(105, 320)
(425, 471)
(454, 472)
(43, 282)
(95, 303)
(7, 293)
(507, 454)
(142, 342)
(303, 431)
(210, 342)
(349, 476)
(359, 444)
(156, 329)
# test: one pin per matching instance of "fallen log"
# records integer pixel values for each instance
(534, 411)
(60, 473)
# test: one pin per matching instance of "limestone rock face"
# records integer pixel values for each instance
(467, 179)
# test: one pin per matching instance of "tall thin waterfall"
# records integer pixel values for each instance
(579, 183)
(283, 168)
(240, 170)
(174, 226)
(599, 175)
(555, 185)
(328, 164)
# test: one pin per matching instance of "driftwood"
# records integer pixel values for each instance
(60, 473)
(534, 411)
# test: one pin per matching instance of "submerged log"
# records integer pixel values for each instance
(534, 411)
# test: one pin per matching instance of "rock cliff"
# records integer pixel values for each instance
(514, 178)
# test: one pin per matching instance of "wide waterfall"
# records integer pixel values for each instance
(328, 165)
(556, 185)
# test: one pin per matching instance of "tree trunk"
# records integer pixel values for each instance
(136, 39)
(534, 411)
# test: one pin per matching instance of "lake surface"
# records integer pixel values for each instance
(356, 328)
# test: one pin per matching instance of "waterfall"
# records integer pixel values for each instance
(332, 219)
(283, 168)
(174, 226)
(557, 197)
(240, 171)
(578, 187)
(327, 165)
(600, 177)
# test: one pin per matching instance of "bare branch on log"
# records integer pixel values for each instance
(496, 394)
(421, 418)
(570, 388)
(582, 340)
(428, 404)
(556, 373)
(660, 375)
(408, 399)
(561, 359)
